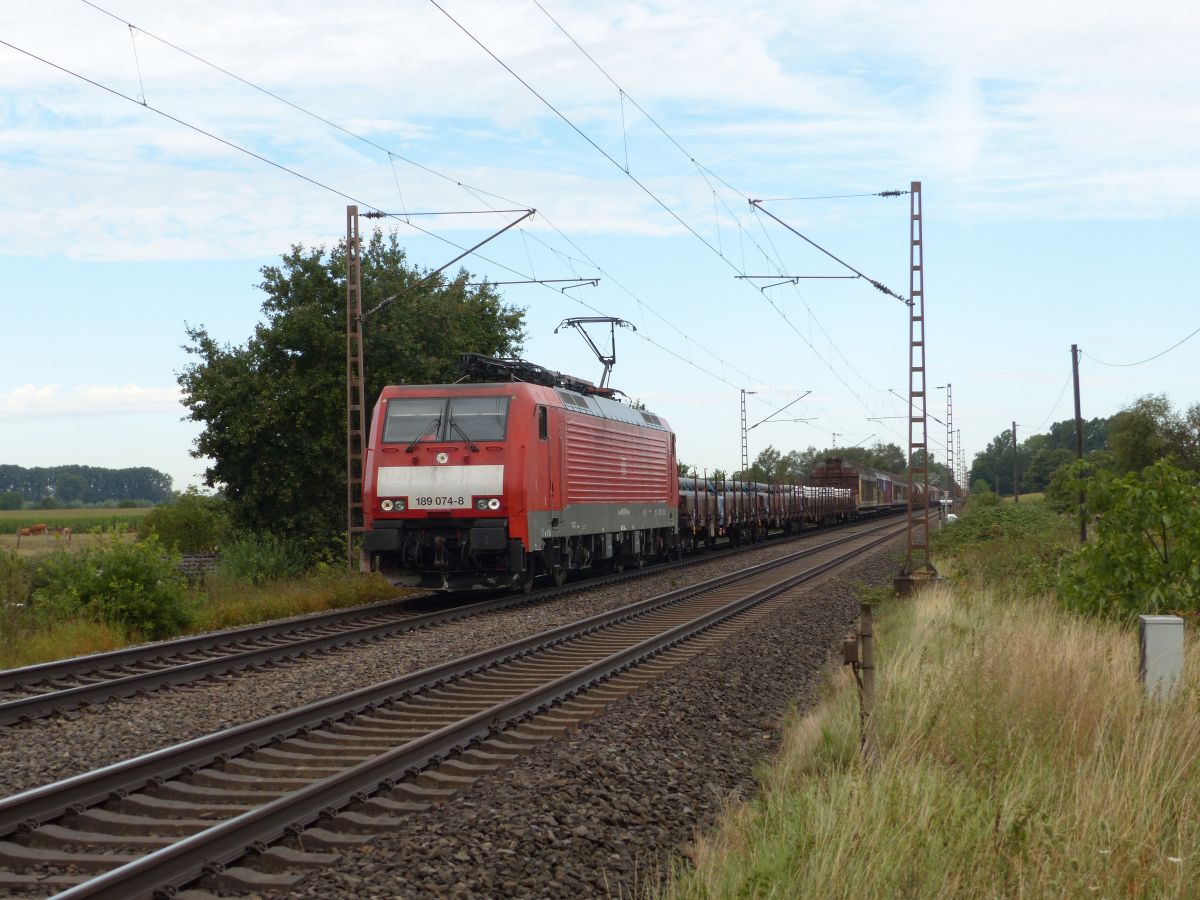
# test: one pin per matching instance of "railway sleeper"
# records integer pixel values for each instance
(436, 778)
(118, 823)
(394, 807)
(240, 878)
(418, 793)
(161, 807)
(19, 858)
(252, 784)
(61, 837)
(279, 859)
(323, 839)
(306, 752)
(24, 881)
(360, 823)
(179, 790)
(310, 772)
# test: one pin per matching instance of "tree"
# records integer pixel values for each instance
(11, 500)
(69, 487)
(1144, 552)
(1149, 429)
(273, 410)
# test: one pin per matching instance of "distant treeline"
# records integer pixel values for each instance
(85, 484)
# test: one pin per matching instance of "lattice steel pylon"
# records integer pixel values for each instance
(355, 388)
(917, 563)
(950, 470)
(962, 463)
(745, 439)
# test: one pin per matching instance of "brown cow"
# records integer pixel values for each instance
(31, 530)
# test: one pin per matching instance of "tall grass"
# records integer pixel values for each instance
(28, 636)
(1017, 758)
(227, 602)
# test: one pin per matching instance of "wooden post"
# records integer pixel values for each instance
(866, 665)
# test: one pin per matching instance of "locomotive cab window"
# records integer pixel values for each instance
(543, 425)
(478, 418)
(410, 418)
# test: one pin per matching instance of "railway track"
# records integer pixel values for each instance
(356, 764)
(37, 691)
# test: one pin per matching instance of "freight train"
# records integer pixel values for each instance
(525, 472)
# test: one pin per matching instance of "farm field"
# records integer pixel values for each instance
(75, 519)
(80, 521)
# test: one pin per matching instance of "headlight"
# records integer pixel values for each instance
(493, 503)
(386, 505)
(481, 504)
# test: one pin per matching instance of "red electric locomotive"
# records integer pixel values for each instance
(529, 472)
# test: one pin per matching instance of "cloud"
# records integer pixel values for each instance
(1014, 113)
(32, 401)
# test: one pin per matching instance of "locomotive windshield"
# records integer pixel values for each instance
(411, 419)
(480, 418)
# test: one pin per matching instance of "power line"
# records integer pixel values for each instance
(405, 216)
(834, 197)
(554, 109)
(1142, 361)
(1054, 408)
(618, 165)
(392, 155)
(704, 169)
(473, 190)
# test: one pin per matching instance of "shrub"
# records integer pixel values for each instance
(262, 557)
(1143, 555)
(16, 578)
(1003, 543)
(131, 584)
(11, 500)
(192, 524)
(129, 504)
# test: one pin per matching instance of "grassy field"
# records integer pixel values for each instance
(76, 519)
(1017, 757)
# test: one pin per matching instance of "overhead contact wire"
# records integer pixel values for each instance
(316, 183)
(1142, 362)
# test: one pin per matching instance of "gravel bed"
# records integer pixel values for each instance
(608, 810)
(50, 749)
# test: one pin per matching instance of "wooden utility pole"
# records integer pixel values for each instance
(1079, 442)
(1016, 487)
(866, 637)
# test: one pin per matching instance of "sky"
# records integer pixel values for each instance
(1055, 145)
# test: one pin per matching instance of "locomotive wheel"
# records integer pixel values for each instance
(559, 574)
(618, 566)
(525, 582)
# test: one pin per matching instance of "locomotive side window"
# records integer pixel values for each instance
(543, 425)
(478, 418)
(411, 418)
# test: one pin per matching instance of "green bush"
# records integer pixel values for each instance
(16, 578)
(1001, 543)
(262, 557)
(192, 524)
(131, 584)
(11, 500)
(1143, 553)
